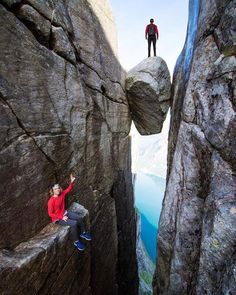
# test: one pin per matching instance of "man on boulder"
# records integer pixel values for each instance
(152, 35)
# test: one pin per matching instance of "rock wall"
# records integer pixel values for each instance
(197, 228)
(47, 263)
(64, 109)
(124, 199)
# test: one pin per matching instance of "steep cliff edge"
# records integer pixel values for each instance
(64, 109)
(197, 228)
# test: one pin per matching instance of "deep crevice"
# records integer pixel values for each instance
(102, 78)
(219, 76)
(104, 94)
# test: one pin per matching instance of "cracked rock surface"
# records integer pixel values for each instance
(50, 254)
(197, 228)
(64, 110)
(148, 91)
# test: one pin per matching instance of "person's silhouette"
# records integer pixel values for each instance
(152, 35)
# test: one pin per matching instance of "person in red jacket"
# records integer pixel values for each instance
(58, 214)
(152, 35)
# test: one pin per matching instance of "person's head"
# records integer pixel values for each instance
(151, 20)
(56, 190)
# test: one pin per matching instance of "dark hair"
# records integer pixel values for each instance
(151, 20)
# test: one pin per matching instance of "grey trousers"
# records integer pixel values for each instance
(73, 221)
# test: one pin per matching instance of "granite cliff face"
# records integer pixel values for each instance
(197, 228)
(63, 109)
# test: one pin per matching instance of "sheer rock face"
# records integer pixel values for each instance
(148, 90)
(63, 109)
(197, 228)
(124, 199)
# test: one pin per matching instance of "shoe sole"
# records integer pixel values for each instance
(86, 239)
(80, 249)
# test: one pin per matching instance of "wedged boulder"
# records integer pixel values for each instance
(148, 89)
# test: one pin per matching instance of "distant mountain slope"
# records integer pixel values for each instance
(149, 193)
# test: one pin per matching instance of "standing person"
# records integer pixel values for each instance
(58, 214)
(152, 35)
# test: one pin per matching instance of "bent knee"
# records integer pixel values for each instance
(73, 223)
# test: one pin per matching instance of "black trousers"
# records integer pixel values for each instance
(152, 39)
(73, 221)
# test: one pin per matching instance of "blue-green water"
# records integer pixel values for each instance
(149, 192)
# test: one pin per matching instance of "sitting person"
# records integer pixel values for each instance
(58, 214)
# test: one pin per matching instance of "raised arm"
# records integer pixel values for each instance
(70, 187)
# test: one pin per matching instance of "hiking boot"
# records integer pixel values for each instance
(86, 236)
(79, 245)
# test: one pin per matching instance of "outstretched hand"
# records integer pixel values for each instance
(72, 178)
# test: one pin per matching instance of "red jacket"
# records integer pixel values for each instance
(156, 30)
(56, 205)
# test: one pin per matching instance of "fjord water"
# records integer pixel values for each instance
(149, 192)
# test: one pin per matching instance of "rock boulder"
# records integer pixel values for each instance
(148, 88)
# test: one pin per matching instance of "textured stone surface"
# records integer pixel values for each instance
(124, 199)
(36, 22)
(148, 89)
(106, 20)
(55, 11)
(61, 45)
(46, 264)
(60, 116)
(10, 3)
(197, 228)
(224, 35)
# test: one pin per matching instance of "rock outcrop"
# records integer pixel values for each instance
(148, 90)
(64, 109)
(48, 256)
(197, 228)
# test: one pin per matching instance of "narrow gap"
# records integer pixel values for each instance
(149, 152)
